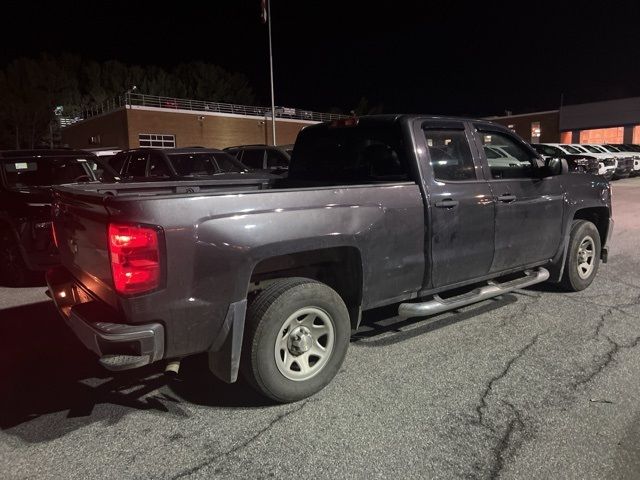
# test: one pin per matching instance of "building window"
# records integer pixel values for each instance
(602, 135)
(157, 140)
(535, 132)
(636, 134)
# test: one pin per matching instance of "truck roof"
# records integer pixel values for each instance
(402, 117)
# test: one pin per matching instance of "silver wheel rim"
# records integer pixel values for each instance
(304, 343)
(586, 257)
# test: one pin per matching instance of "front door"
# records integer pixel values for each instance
(461, 225)
(528, 207)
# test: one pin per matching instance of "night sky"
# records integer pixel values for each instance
(439, 57)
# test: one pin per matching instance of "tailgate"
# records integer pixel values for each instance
(80, 223)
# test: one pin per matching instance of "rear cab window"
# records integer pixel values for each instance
(340, 154)
(44, 171)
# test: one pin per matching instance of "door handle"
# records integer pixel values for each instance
(447, 203)
(507, 198)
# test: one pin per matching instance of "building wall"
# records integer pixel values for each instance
(599, 115)
(521, 124)
(110, 129)
(121, 128)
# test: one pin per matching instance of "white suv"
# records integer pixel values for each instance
(624, 161)
(608, 163)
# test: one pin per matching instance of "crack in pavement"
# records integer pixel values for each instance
(506, 440)
(242, 445)
(618, 308)
(516, 423)
(525, 307)
(609, 356)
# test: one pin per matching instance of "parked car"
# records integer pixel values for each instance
(579, 163)
(271, 281)
(26, 177)
(624, 161)
(608, 163)
(634, 151)
(263, 157)
(157, 164)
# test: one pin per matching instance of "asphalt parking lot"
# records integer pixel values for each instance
(534, 384)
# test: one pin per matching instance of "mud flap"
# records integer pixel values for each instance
(224, 354)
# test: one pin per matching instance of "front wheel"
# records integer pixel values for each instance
(296, 339)
(583, 256)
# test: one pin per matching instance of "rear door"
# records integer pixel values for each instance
(461, 224)
(528, 207)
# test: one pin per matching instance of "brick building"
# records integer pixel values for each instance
(142, 120)
(613, 121)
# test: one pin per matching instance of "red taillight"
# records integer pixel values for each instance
(345, 122)
(53, 234)
(135, 258)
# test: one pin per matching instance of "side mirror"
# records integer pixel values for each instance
(555, 166)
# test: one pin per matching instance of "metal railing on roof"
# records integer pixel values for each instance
(170, 103)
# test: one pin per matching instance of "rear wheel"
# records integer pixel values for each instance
(13, 270)
(296, 339)
(583, 256)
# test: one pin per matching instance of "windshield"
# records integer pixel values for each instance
(570, 149)
(36, 171)
(204, 163)
(592, 149)
(544, 149)
(609, 148)
(491, 153)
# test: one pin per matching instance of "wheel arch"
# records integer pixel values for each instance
(339, 267)
(599, 216)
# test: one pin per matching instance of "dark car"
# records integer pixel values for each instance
(264, 157)
(579, 163)
(26, 177)
(154, 164)
(271, 280)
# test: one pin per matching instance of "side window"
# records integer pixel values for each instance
(513, 161)
(253, 158)
(117, 162)
(276, 159)
(450, 155)
(137, 166)
(157, 166)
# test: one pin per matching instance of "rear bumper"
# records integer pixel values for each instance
(119, 346)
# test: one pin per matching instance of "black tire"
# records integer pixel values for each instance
(13, 270)
(267, 316)
(574, 277)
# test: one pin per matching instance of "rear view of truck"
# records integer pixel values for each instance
(112, 287)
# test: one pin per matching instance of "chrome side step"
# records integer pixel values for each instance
(493, 289)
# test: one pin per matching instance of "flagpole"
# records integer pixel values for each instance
(273, 104)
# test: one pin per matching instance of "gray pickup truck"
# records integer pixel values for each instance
(270, 277)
